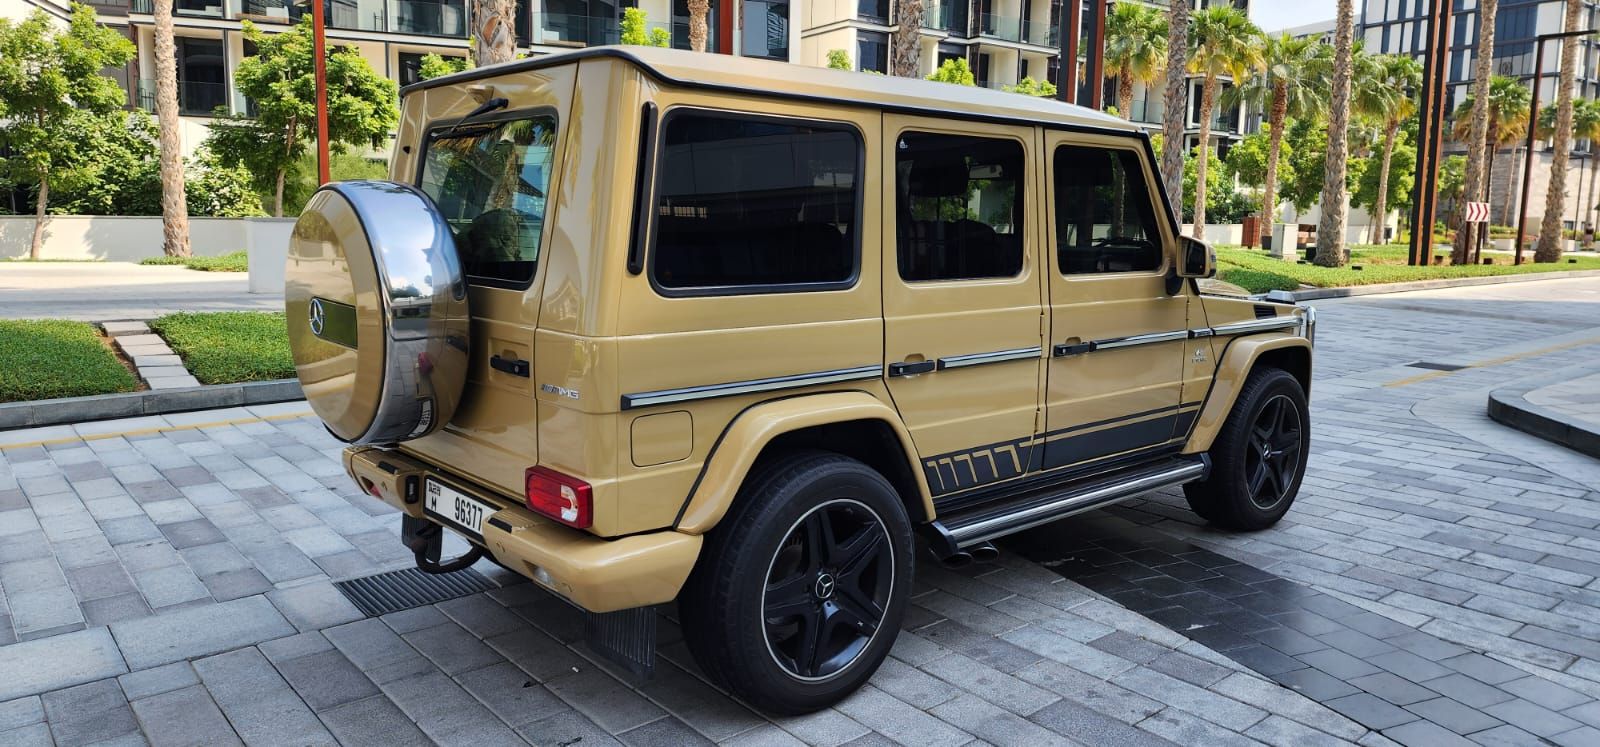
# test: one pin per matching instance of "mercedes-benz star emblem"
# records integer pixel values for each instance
(317, 318)
(824, 587)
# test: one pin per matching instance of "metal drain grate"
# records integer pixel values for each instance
(1436, 366)
(408, 588)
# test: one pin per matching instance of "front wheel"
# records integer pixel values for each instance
(1259, 457)
(799, 591)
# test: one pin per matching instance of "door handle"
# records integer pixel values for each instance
(912, 369)
(513, 366)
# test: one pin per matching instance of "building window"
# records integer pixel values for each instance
(202, 78)
(680, 24)
(765, 31)
(580, 22)
(410, 65)
(958, 207)
(876, 11)
(872, 51)
(747, 204)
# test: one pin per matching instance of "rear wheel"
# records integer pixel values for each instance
(1259, 457)
(799, 591)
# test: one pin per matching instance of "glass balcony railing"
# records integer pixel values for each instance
(1007, 28)
(1041, 33)
(266, 11)
(428, 18)
(573, 30)
(946, 15)
(195, 98)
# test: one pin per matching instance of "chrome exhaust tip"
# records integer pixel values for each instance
(959, 559)
(984, 553)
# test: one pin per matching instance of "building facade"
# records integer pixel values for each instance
(1399, 27)
(394, 36)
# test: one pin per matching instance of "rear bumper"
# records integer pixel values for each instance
(597, 574)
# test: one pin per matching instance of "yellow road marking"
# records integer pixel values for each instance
(1494, 361)
(149, 431)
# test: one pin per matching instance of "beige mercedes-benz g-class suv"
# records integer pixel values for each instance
(646, 325)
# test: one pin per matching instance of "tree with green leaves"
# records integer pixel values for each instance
(1331, 249)
(1400, 76)
(361, 105)
(49, 79)
(636, 31)
(1222, 43)
(1385, 187)
(956, 71)
(1472, 129)
(1506, 113)
(1175, 118)
(1255, 157)
(434, 65)
(1286, 86)
(1586, 126)
(839, 59)
(1136, 49)
(1030, 87)
(1551, 237)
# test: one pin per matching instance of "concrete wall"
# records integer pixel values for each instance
(1219, 233)
(132, 238)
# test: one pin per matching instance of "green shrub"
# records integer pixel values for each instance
(47, 358)
(224, 347)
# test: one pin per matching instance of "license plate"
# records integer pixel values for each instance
(456, 509)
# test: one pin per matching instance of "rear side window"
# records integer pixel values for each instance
(489, 182)
(1105, 221)
(755, 205)
(958, 206)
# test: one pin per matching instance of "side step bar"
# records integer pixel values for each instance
(998, 518)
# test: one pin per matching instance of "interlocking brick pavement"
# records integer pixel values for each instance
(170, 579)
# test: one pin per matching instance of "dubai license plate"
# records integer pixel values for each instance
(456, 509)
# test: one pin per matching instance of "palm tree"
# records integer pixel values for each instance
(494, 31)
(698, 10)
(1477, 123)
(1400, 76)
(174, 208)
(1286, 88)
(1224, 43)
(1505, 120)
(1330, 233)
(1550, 233)
(1136, 49)
(1176, 101)
(1586, 126)
(907, 62)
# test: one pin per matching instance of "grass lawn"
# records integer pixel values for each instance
(225, 347)
(47, 358)
(234, 262)
(1257, 272)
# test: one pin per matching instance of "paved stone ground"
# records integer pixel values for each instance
(96, 291)
(168, 580)
(1578, 398)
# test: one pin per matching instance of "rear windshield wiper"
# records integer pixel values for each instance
(483, 108)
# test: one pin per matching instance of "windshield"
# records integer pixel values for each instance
(489, 182)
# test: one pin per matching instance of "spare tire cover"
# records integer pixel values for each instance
(377, 312)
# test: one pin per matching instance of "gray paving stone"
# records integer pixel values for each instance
(374, 721)
(566, 729)
(107, 610)
(1090, 726)
(184, 717)
(21, 712)
(1454, 716)
(169, 585)
(36, 735)
(39, 666)
(89, 713)
(445, 712)
(258, 702)
(1371, 711)
(43, 610)
(294, 646)
(379, 652)
(695, 703)
(157, 680)
(994, 724)
(198, 631)
(314, 606)
(991, 684)
(511, 694)
(326, 679)
(898, 720)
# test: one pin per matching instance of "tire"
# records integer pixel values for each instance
(1259, 457)
(755, 647)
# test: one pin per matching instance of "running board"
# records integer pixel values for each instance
(1028, 509)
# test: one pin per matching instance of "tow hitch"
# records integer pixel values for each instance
(426, 540)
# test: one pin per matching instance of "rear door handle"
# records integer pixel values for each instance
(912, 369)
(513, 366)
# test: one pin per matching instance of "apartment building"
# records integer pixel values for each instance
(1399, 27)
(394, 36)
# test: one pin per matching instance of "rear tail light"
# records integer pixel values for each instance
(560, 497)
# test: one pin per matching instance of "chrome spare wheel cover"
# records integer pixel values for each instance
(376, 303)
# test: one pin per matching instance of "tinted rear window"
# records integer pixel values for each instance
(489, 181)
(748, 205)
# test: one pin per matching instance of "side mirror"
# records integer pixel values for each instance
(1196, 259)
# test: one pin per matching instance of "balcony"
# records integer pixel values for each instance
(573, 30)
(946, 15)
(190, 8)
(195, 98)
(428, 18)
(1041, 33)
(266, 11)
(1004, 28)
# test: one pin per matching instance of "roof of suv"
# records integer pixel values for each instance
(769, 78)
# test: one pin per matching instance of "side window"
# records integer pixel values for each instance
(958, 206)
(489, 182)
(755, 205)
(1105, 221)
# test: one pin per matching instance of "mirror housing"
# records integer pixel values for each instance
(1196, 258)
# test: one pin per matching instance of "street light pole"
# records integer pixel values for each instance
(319, 54)
(1425, 193)
(1533, 126)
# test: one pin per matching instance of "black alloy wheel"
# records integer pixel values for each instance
(1272, 457)
(828, 589)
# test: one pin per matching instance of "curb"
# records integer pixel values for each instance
(151, 402)
(1314, 294)
(1509, 406)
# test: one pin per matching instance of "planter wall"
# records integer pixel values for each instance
(118, 238)
(1219, 233)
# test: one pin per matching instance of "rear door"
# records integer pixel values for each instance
(962, 298)
(489, 177)
(1118, 336)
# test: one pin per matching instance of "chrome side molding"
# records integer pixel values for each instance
(732, 388)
